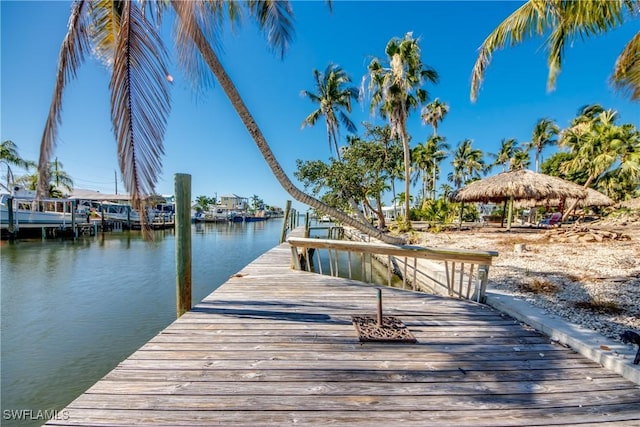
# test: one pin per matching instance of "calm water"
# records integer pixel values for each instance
(71, 311)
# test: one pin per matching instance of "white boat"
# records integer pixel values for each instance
(119, 212)
(26, 213)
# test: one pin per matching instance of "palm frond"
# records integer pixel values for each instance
(626, 75)
(139, 102)
(209, 17)
(72, 51)
(105, 18)
(276, 18)
(565, 19)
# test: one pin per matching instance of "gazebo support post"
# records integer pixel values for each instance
(509, 213)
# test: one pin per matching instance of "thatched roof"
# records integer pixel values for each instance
(519, 185)
(594, 198)
(631, 204)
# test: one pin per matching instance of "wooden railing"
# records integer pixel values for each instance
(454, 272)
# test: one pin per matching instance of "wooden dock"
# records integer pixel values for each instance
(276, 347)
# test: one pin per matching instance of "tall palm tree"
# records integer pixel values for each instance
(333, 97)
(433, 113)
(562, 22)
(420, 162)
(543, 135)
(9, 156)
(508, 147)
(468, 163)
(396, 88)
(438, 150)
(130, 42)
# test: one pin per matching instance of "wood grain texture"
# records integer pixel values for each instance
(274, 347)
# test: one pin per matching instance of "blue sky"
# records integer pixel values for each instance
(205, 138)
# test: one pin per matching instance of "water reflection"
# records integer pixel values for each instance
(72, 310)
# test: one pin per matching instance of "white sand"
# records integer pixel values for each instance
(607, 272)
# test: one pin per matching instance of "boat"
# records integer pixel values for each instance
(28, 213)
(118, 212)
(245, 217)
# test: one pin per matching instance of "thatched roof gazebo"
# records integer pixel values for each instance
(593, 198)
(518, 185)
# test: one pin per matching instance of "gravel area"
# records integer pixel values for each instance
(595, 283)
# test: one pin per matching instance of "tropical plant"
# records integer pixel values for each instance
(562, 22)
(203, 203)
(396, 88)
(426, 157)
(59, 180)
(126, 35)
(599, 146)
(372, 158)
(393, 166)
(543, 135)
(468, 163)
(520, 160)
(508, 147)
(256, 202)
(9, 156)
(433, 113)
(333, 97)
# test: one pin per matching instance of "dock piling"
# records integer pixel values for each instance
(183, 243)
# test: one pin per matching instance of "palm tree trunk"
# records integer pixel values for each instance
(252, 127)
(407, 178)
(576, 201)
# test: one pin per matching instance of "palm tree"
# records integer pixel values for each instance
(202, 203)
(131, 45)
(508, 147)
(332, 98)
(433, 113)
(9, 156)
(59, 180)
(598, 146)
(564, 21)
(520, 160)
(467, 164)
(543, 135)
(420, 160)
(437, 149)
(396, 90)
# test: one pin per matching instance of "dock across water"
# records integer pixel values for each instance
(275, 346)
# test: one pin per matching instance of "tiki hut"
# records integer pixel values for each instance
(593, 198)
(518, 185)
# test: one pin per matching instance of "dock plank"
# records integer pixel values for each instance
(274, 347)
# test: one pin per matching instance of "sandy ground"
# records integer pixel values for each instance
(595, 284)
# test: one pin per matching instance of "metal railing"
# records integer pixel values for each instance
(454, 272)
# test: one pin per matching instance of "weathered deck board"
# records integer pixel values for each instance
(274, 346)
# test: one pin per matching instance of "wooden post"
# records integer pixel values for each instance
(287, 210)
(102, 216)
(74, 227)
(510, 213)
(183, 243)
(11, 227)
(379, 313)
(307, 224)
